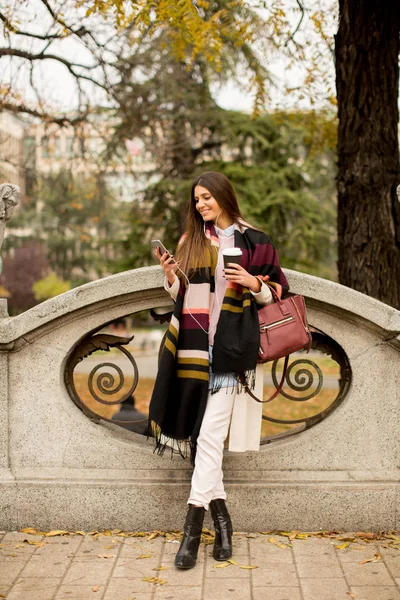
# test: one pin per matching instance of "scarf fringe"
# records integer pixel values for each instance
(185, 448)
(246, 378)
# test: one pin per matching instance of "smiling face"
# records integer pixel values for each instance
(209, 208)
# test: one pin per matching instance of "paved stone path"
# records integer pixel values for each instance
(111, 567)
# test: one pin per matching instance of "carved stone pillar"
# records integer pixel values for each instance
(9, 198)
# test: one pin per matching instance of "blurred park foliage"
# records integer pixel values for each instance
(158, 64)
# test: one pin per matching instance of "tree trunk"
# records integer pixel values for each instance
(367, 80)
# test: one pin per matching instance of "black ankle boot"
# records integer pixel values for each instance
(187, 554)
(223, 530)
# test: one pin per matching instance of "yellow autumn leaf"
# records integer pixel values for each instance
(37, 544)
(342, 546)
(144, 556)
(110, 547)
(156, 580)
(222, 565)
(2, 596)
(11, 554)
(80, 533)
(248, 566)
(279, 544)
(152, 536)
(56, 532)
(29, 530)
(233, 562)
(106, 555)
(162, 568)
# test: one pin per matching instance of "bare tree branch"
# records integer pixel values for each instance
(81, 31)
(45, 116)
(42, 56)
(291, 38)
(13, 29)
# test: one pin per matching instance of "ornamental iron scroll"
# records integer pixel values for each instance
(309, 393)
(315, 385)
(98, 381)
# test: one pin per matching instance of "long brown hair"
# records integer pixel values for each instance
(195, 248)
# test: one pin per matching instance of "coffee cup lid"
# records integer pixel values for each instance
(232, 252)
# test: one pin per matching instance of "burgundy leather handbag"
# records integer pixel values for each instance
(283, 330)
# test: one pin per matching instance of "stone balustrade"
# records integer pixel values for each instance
(60, 469)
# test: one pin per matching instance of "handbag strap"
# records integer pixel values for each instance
(277, 391)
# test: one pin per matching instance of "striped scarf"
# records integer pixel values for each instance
(181, 388)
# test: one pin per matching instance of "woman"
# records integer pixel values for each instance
(211, 345)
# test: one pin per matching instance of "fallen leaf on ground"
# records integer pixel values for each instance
(106, 556)
(144, 556)
(351, 595)
(342, 546)
(377, 557)
(156, 580)
(366, 534)
(37, 544)
(80, 533)
(279, 544)
(109, 547)
(222, 565)
(248, 566)
(56, 532)
(95, 588)
(29, 530)
(162, 568)
(233, 562)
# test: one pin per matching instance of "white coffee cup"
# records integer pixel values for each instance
(232, 255)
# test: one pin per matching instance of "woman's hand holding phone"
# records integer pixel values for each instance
(168, 265)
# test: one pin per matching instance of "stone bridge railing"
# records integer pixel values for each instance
(61, 469)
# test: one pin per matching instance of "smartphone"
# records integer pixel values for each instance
(158, 244)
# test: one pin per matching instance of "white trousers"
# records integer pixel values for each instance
(207, 478)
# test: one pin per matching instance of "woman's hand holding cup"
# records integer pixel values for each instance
(235, 272)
